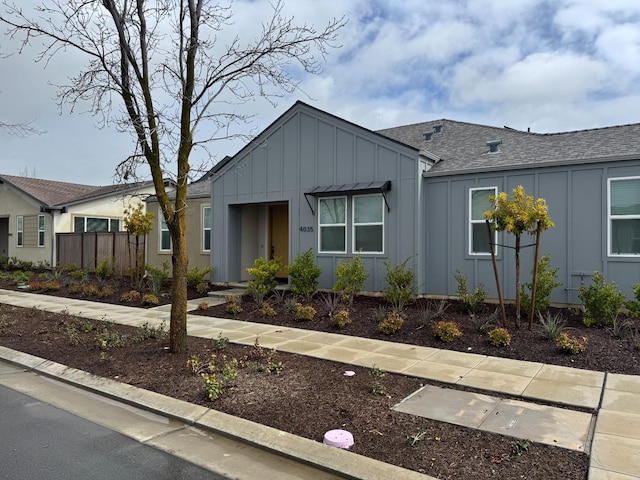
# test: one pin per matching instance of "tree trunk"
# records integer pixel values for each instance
(517, 281)
(178, 325)
(495, 273)
(534, 281)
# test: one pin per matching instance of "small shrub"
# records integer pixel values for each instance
(203, 305)
(234, 308)
(305, 312)
(150, 299)
(546, 283)
(633, 306)
(570, 344)
(377, 375)
(89, 290)
(402, 285)
(221, 342)
(202, 287)
(622, 327)
(552, 325)
(158, 277)
(447, 331)
(351, 277)
(149, 331)
(304, 274)
(264, 278)
(107, 339)
(434, 310)
(75, 288)
(332, 303)
(130, 297)
(602, 301)
(391, 324)
(473, 301)
(78, 274)
(195, 275)
(290, 304)
(341, 319)
(380, 314)
(499, 337)
(267, 310)
(483, 323)
(105, 292)
(103, 270)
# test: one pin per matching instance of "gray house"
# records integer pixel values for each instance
(312, 180)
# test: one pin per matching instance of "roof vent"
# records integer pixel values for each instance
(494, 146)
(437, 128)
(427, 136)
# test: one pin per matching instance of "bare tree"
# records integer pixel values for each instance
(23, 129)
(178, 76)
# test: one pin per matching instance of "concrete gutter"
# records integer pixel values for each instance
(341, 463)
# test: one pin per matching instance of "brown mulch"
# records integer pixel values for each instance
(310, 396)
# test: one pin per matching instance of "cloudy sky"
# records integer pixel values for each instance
(548, 65)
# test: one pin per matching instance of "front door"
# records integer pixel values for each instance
(279, 236)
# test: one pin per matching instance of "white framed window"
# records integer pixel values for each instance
(20, 231)
(332, 225)
(206, 229)
(41, 224)
(164, 241)
(624, 216)
(368, 224)
(479, 202)
(95, 224)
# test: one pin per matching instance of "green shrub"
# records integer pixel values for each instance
(350, 278)
(267, 310)
(305, 312)
(103, 270)
(90, 290)
(633, 306)
(569, 344)
(473, 302)
(341, 319)
(264, 277)
(402, 285)
(391, 324)
(377, 375)
(602, 301)
(195, 275)
(158, 277)
(547, 282)
(304, 274)
(447, 331)
(499, 337)
(234, 305)
(202, 287)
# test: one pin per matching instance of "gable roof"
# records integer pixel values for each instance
(463, 147)
(53, 194)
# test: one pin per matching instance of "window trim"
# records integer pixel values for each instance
(85, 219)
(473, 222)
(41, 231)
(205, 229)
(343, 225)
(364, 224)
(160, 231)
(610, 219)
(20, 231)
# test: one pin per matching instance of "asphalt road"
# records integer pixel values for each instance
(40, 442)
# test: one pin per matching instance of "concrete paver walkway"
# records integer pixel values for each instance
(616, 430)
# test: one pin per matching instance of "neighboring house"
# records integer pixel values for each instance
(313, 180)
(33, 211)
(198, 227)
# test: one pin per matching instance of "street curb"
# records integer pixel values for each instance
(330, 459)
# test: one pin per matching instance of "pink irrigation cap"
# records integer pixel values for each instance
(349, 373)
(338, 438)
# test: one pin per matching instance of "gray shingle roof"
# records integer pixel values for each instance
(462, 147)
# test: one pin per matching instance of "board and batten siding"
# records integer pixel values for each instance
(577, 199)
(303, 149)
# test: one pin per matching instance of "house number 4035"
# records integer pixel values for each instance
(306, 229)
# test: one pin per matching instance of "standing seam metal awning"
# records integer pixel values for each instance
(350, 189)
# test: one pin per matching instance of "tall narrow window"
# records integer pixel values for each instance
(165, 237)
(624, 216)
(332, 223)
(41, 230)
(479, 203)
(20, 231)
(206, 229)
(368, 224)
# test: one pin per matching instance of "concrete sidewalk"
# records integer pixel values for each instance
(615, 398)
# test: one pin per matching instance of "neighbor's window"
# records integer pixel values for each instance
(206, 229)
(624, 216)
(368, 224)
(20, 231)
(332, 223)
(165, 237)
(41, 230)
(479, 203)
(95, 224)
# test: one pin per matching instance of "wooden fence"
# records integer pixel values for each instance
(87, 250)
